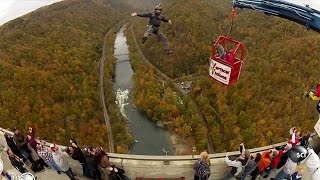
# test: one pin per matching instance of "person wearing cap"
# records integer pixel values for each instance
(61, 161)
(47, 156)
(154, 24)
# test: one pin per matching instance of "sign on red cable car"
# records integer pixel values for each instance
(226, 61)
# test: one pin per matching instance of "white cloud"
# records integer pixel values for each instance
(11, 9)
(4, 6)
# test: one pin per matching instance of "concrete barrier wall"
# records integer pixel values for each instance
(174, 166)
(181, 166)
(168, 166)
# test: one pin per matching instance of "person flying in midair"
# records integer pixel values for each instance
(154, 24)
(314, 94)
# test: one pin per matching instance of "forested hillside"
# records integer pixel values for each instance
(49, 72)
(281, 61)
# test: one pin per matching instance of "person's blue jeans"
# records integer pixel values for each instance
(244, 175)
(54, 166)
(86, 170)
(25, 153)
(282, 175)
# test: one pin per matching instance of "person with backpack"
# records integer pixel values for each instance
(154, 24)
(202, 167)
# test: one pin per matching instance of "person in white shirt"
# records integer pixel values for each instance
(308, 158)
(61, 161)
(289, 169)
(312, 162)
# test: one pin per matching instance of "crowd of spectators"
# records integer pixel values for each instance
(25, 151)
(262, 164)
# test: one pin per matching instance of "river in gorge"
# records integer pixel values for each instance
(149, 139)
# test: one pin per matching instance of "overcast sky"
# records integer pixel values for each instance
(10, 9)
(313, 3)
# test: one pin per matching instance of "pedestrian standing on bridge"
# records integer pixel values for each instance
(202, 167)
(61, 161)
(44, 153)
(154, 25)
(76, 153)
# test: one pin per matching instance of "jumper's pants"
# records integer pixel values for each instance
(161, 37)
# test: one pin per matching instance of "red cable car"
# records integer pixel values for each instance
(226, 61)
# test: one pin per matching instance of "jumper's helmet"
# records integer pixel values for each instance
(158, 9)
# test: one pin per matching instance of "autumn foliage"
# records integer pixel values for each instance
(49, 73)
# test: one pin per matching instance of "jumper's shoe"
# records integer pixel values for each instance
(144, 39)
(167, 51)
